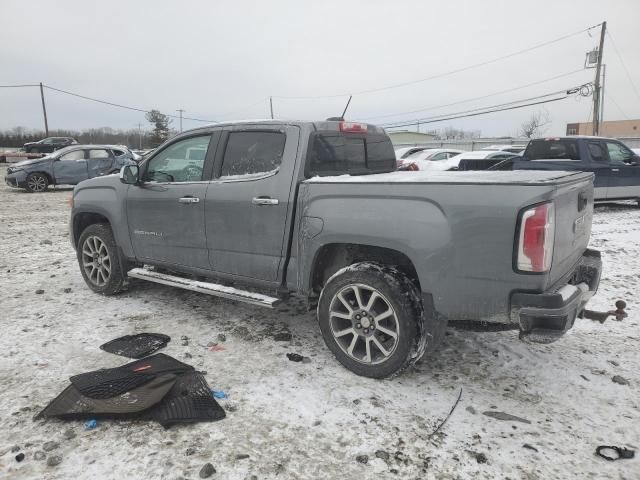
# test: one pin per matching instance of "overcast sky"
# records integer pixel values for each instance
(222, 60)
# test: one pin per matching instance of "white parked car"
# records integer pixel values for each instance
(431, 159)
(404, 152)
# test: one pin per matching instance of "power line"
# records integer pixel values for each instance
(506, 104)
(615, 48)
(476, 98)
(20, 85)
(135, 109)
(480, 113)
(444, 74)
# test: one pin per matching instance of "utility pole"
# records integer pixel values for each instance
(180, 110)
(271, 106)
(139, 136)
(604, 73)
(596, 83)
(44, 111)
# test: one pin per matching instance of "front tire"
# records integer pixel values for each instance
(370, 317)
(99, 260)
(37, 183)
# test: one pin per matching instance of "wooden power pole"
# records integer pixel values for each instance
(44, 112)
(596, 83)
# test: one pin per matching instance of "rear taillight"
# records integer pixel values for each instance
(352, 127)
(535, 245)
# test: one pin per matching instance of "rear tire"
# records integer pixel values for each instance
(371, 318)
(37, 183)
(99, 260)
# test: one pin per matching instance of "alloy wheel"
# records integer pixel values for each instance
(37, 183)
(364, 324)
(96, 261)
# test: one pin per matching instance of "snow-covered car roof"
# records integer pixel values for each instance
(426, 154)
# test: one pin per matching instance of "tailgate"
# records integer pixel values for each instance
(574, 213)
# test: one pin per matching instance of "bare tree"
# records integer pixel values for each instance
(534, 126)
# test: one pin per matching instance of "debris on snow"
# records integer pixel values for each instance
(620, 380)
(505, 416)
(207, 470)
(54, 460)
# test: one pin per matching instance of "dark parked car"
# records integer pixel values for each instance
(68, 166)
(616, 167)
(48, 145)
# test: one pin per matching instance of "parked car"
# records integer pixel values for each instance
(315, 209)
(478, 160)
(68, 166)
(404, 152)
(616, 167)
(431, 159)
(48, 145)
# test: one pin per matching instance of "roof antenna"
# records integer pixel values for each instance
(341, 117)
(346, 106)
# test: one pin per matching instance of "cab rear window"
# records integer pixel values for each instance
(336, 154)
(552, 150)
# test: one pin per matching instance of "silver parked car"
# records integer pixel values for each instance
(68, 166)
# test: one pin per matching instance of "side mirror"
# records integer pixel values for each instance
(130, 174)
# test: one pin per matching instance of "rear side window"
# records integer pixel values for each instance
(331, 154)
(596, 151)
(552, 150)
(250, 153)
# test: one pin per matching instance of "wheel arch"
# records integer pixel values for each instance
(330, 258)
(82, 220)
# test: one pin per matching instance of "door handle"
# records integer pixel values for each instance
(189, 200)
(264, 201)
(80, 161)
(615, 169)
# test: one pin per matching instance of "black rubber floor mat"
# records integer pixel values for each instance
(136, 346)
(110, 382)
(190, 400)
(71, 404)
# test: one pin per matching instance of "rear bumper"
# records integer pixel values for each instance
(544, 317)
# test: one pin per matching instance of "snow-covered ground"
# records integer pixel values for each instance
(309, 420)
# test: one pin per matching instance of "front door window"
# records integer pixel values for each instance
(182, 161)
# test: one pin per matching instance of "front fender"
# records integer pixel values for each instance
(105, 196)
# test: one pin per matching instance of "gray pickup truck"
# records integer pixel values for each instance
(257, 211)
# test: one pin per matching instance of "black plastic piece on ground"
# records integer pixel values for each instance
(190, 400)
(109, 382)
(621, 452)
(136, 346)
(71, 404)
(295, 357)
